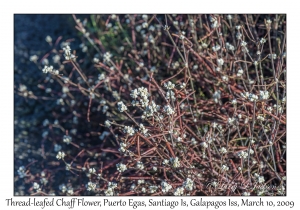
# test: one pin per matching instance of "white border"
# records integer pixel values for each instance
(153, 6)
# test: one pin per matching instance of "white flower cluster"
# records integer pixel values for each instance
(246, 194)
(260, 179)
(230, 121)
(170, 95)
(224, 168)
(216, 48)
(63, 188)
(223, 150)
(107, 123)
(151, 109)
(188, 184)
(229, 46)
(140, 165)
(252, 97)
(22, 171)
(107, 56)
(240, 72)
(67, 139)
(122, 147)
(165, 162)
(175, 162)
(36, 186)
(91, 186)
(129, 130)
(203, 144)
(169, 85)
(143, 130)
(60, 155)
(92, 170)
(214, 22)
(168, 110)
(143, 93)
(153, 188)
(121, 106)
(165, 187)
(141, 181)
(264, 95)
(260, 118)
(121, 167)
(220, 61)
(110, 189)
(179, 191)
(50, 69)
(68, 55)
(243, 154)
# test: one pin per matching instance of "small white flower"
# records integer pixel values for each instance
(67, 139)
(220, 61)
(48, 39)
(134, 93)
(179, 191)
(223, 150)
(129, 130)
(96, 60)
(63, 188)
(153, 188)
(224, 168)
(154, 168)
(264, 95)
(33, 58)
(132, 187)
(188, 184)
(240, 72)
(183, 85)
(141, 181)
(140, 165)
(262, 40)
(225, 78)
(121, 167)
(92, 170)
(168, 110)
(261, 118)
(230, 121)
(101, 76)
(229, 46)
(260, 179)
(203, 144)
(243, 44)
(243, 154)
(68, 167)
(234, 101)
(216, 48)
(36, 186)
(91, 186)
(107, 57)
(165, 187)
(107, 123)
(246, 194)
(121, 106)
(169, 85)
(175, 162)
(165, 162)
(22, 171)
(60, 155)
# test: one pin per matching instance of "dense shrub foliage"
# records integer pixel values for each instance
(162, 105)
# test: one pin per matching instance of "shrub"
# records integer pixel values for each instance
(165, 105)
